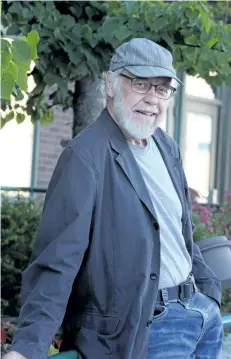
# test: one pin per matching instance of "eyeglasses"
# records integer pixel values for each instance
(142, 86)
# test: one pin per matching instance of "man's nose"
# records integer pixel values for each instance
(150, 96)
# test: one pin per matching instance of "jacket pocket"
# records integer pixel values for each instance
(99, 323)
(160, 312)
(93, 336)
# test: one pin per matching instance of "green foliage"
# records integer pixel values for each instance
(19, 221)
(16, 55)
(226, 301)
(77, 40)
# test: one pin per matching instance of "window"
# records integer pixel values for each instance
(16, 144)
(199, 136)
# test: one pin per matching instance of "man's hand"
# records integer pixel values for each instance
(13, 355)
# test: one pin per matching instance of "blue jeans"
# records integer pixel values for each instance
(187, 329)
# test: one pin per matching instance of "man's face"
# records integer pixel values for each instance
(137, 114)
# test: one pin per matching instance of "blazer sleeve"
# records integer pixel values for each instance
(205, 278)
(61, 243)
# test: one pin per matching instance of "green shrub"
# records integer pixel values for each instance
(226, 301)
(19, 221)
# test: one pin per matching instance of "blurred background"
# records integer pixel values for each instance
(54, 54)
(75, 45)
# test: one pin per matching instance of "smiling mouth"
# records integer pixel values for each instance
(150, 114)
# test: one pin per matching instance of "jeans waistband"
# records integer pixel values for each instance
(182, 291)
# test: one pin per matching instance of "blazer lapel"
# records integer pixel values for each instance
(126, 160)
(130, 167)
(128, 164)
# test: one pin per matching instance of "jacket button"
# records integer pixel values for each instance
(156, 226)
(149, 323)
(153, 276)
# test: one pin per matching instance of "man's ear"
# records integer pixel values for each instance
(109, 90)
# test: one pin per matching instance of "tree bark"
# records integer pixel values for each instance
(88, 103)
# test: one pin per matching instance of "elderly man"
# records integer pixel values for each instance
(115, 262)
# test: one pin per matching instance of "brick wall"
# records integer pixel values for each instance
(90, 104)
(50, 144)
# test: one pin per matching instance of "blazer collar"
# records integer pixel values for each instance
(130, 167)
(119, 143)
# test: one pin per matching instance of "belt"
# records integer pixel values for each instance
(182, 291)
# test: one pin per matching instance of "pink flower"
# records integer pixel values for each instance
(228, 193)
(205, 212)
(222, 209)
(224, 225)
(3, 336)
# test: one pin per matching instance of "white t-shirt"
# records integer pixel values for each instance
(176, 262)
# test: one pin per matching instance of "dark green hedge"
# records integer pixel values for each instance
(19, 221)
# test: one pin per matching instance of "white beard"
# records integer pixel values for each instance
(138, 129)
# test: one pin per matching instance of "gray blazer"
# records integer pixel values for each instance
(97, 246)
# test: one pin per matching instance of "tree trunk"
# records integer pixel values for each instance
(88, 103)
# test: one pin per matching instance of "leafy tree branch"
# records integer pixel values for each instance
(78, 38)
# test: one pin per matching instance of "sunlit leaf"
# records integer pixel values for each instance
(6, 55)
(12, 68)
(21, 52)
(212, 42)
(33, 40)
(7, 84)
(206, 21)
(22, 80)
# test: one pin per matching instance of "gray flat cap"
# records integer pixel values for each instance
(144, 58)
